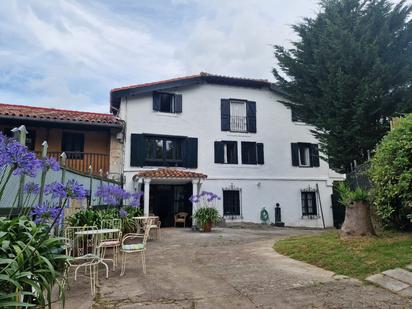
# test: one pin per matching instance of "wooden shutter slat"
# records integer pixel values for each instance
(178, 103)
(137, 150)
(314, 155)
(156, 101)
(295, 154)
(251, 116)
(260, 153)
(190, 152)
(225, 114)
(219, 152)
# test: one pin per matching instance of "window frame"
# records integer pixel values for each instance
(313, 214)
(234, 158)
(306, 147)
(172, 104)
(255, 151)
(244, 120)
(164, 161)
(236, 210)
(73, 154)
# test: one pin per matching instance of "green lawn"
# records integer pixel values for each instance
(357, 258)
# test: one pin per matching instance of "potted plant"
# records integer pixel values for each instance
(206, 213)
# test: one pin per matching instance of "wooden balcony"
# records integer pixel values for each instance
(81, 161)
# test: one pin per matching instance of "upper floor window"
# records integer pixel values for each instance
(226, 152)
(163, 150)
(238, 115)
(305, 155)
(238, 122)
(252, 153)
(73, 145)
(167, 102)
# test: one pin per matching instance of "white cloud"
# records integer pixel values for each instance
(70, 54)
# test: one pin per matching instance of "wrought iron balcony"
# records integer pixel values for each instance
(238, 123)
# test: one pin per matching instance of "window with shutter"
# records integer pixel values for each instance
(249, 153)
(226, 152)
(305, 155)
(73, 145)
(167, 102)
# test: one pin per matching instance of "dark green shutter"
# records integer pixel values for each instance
(249, 153)
(178, 103)
(225, 114)
(190, 152)
(236, 160)
(219, 155)
(137, 150)
(260, 155)
(314, 150)
(295, 154)
(251, 116)
(156, 101)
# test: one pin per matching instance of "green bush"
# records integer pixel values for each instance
(94, 217)
(30, 263)
(391, 174)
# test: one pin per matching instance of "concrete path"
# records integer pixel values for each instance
(397, 280)
(228, 268)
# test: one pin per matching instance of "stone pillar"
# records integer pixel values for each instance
(146, 196)
(115, 167)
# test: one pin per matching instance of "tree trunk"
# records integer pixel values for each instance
(358, 220)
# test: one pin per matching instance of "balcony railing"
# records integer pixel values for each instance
(238, 123)
(81, 161)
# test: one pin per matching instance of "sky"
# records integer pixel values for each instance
(70, 54)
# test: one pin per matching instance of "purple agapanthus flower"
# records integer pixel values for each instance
(111, 194)
(56, 189)
(135, 199)
(31, 188)
(46, 214)
(20, 159)
(50, 163)
(75, 190)
(123, 213)
(71, 190)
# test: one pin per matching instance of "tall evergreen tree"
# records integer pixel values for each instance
(348, 73)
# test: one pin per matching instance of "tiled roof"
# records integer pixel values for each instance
(117, 93)
(169, 172)
(196, 76)
(11, 111)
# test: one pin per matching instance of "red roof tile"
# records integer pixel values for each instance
(169, 172)
(11, 111)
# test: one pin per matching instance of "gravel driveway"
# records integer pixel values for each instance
(228, 268)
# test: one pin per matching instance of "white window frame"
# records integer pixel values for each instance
(236, 111)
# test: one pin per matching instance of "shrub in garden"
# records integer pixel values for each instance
(30, 258)
(391, 174)
(122, 205)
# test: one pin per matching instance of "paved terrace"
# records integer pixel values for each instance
(228, 268)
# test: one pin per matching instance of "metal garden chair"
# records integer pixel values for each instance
(129, 245)
(111, 240)
(83, 249)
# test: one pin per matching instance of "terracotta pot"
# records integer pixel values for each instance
(207, 227)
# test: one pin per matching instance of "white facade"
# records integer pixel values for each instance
(275, 181)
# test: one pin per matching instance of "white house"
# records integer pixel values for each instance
(227, 135)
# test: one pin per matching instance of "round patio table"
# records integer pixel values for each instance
(99, 233)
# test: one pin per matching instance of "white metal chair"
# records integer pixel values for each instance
(111, 240)
(155, 226)
(83, 249)
(129, 246)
